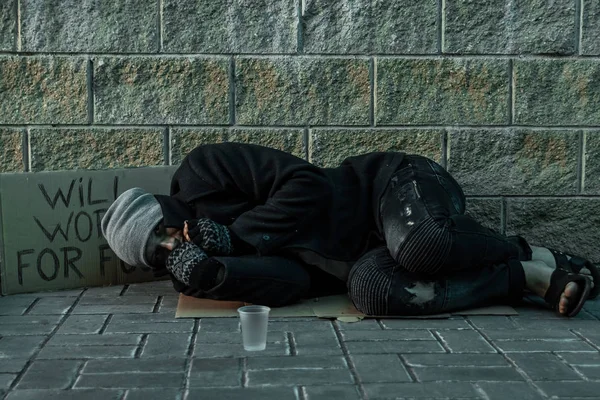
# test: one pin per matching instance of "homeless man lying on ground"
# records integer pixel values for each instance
(250, 223)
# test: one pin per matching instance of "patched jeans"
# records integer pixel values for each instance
(437, 258)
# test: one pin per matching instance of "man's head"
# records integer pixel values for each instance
(133, 229)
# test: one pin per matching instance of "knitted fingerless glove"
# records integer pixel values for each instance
(183, 259)
(213, 238)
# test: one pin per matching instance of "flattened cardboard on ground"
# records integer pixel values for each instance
(50, 227)
(338, 306)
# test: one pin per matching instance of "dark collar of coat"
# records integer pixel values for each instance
(175, 212)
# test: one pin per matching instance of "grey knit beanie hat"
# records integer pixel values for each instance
(128, 224)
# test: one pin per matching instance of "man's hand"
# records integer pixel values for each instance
(211, 237)
(183, 259)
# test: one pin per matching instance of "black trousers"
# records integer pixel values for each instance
(437, 258)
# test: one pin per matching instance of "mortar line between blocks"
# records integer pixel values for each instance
(77, 375)
(232, 91)
(408, 368)
(572, 368)
(141, 345)
(105, 324)
(244, 372)
(445, 149)
(167, 146)
(190, 352)
(586, 340)
(18, 40)
(441, 20)
(349, 361)
(503, 215)
(440, 340)
(511, 93)
(26, 144)
(157, 305)
(291, 340)
(579, 5)
(520, 371)
(372, 85)
(300, 28)
(159, 21)
(33, 303)
(33, 357)
(124, 290)
(300, 392)
(90, 90)
(480, 391)
(306, 140)
(581, 163)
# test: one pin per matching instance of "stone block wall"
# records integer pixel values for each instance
(503, 93)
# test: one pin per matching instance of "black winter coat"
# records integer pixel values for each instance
(275, 201)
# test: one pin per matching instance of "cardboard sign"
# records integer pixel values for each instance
(50, 228)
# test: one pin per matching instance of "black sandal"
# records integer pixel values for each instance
(558, 281)
(575, 264)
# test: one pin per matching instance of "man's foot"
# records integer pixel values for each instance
(538, 276)
(545, 255)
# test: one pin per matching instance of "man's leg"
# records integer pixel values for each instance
(379, 286)
(426, 231)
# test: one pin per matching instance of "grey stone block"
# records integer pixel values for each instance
(230, 27)
(428, 390)
(134, 365)
(544, 367)
(270, 393)
(167, 345)
(591, 180)
(93, 394)
(296, 362)
(533, 346)
(329, 147)
(161, 287)
(586, 359)
(590, 28)
(556, 324)
(366, 27)
(514, 161)
(25, 329)
(437, 324)
(15, 365)
(528, 334)
(52, 305)
(145, 90)
(471, 374)
(365, 324)
(492, 322)
(82, 324)
(380, 368)
(8, 25)
(290, 377)
(46, 320)
(119, 300)
(515, 390)
(11, 145)
(184, 140)
(413, 334)
(215, 372)
(319, 349)
(234, 337)
(557, 92)
(569, 389)
(456, 360)
(125, 381)
(93, 340)
(134, 319)
(88, 26)
(290, 325)
(299, 91)
(590, 372)
(43, 90)
(220, 325)
(396, 346)
(60, 149)
(91, 351)
(485, 211)
(568, 225)
(346, 392)
(55, 374)
(153, 394)
(20, 346)
(451, 91)
(229, 350)
(463, 341)
(113, 309)
(151, 327)
(507, 27)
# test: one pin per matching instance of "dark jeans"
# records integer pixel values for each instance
(437, 259)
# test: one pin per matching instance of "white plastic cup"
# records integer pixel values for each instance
(255, 320)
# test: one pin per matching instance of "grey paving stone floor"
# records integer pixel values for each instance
(124, 342)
